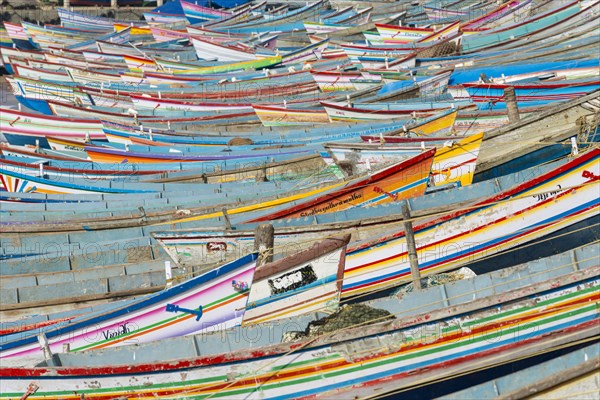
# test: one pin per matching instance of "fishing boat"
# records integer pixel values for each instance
(444, 112)
(30, 124)
(407, 178)
(538, 313)
(284, 116)
(151, 153)
(536, 93)
(481, 228)
(454, 160)
(494, 37)
(233, 294)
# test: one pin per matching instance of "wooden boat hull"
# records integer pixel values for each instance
(16, 182)
(427, 347)
(341, 112)
(281, 116)
(306, 282)
(400, 181)
(453, 162)
(480, 231)
(330, 81)
(157, 316)
(23, 123)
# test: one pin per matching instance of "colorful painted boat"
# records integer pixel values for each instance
(283, 116)
(481, 230)
(356, 112)
(214, 300)
(5, 40)
(342, 22)
(207, 49)
(233, 294)
(74, 19)
(511, 11)
(197, 13)
(402, 180)
(440, 340)
(437, 14)
(335, 80)
(13, 181)
(402, 34)
(489, 95)
(16, 37)
(491, 38)
(84, 172)
(34, 94)
(438, 125)
(232, 67)
(29, 124)
(307, 282)
(545, 205)
(454, 160)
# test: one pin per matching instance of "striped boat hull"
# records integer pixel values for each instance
(151, 318)
(390, 355)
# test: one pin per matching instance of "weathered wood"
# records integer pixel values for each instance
(226, 217)
(411, 247)
(261, 175)
(32, 307)
(43, 341)
(511, 105)
(264, 240)
(318, 249)
(555, 124)
(553, 381)
(305, 164)
(168, 273)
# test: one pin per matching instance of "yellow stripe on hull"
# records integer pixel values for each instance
(255, 207)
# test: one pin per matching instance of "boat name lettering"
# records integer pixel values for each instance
(393, 196)
(590, 175)
(544, 196)
(331, 205)
(216, 246)
(176, 308)
(293, 280)
(122, 329)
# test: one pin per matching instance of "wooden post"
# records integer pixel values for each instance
(511, 104)
(66, 3)
(261, 176)
(159, 3)
(264, 239)
(168, 274)
(412, 248)
(113, 4)
(43, 341)
(227, 221)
